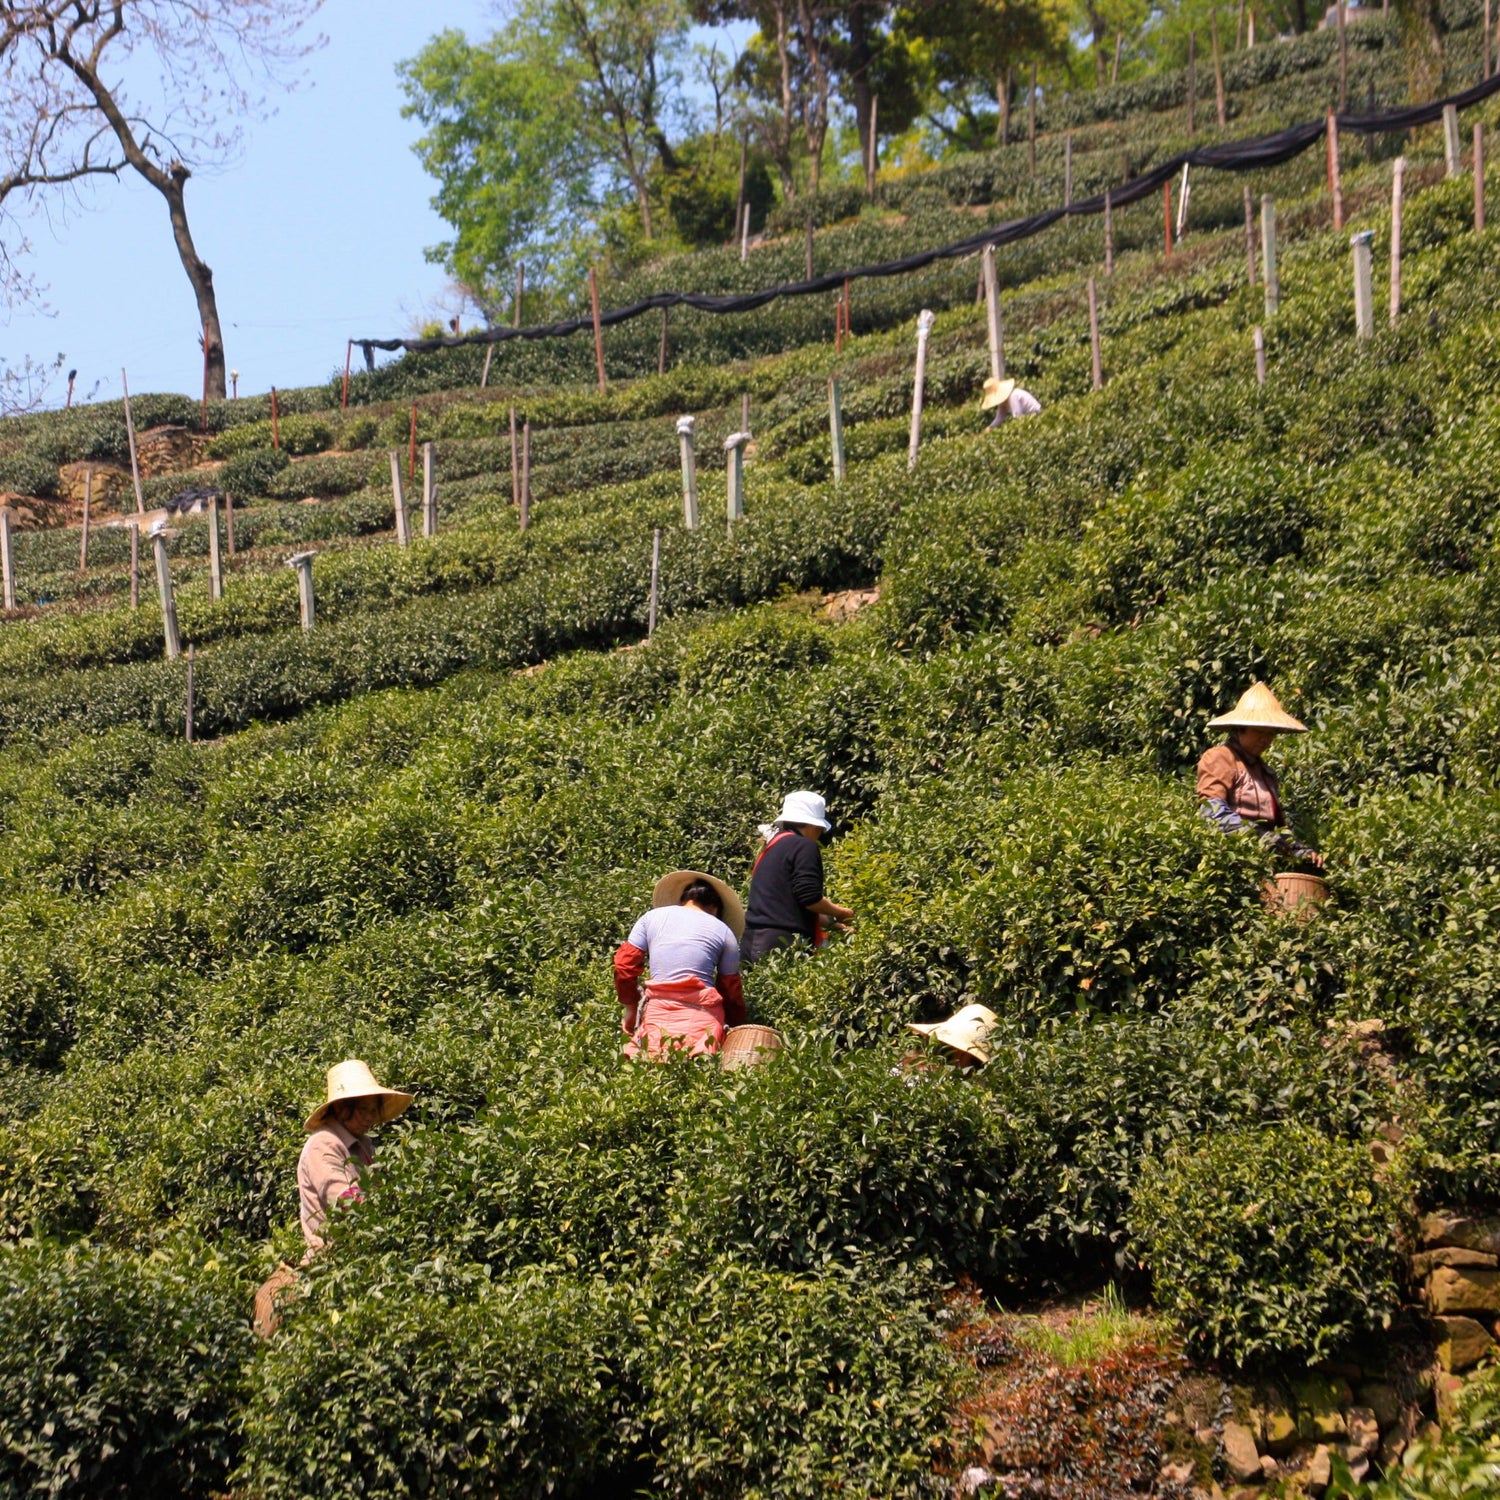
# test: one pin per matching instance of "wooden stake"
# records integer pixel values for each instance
(1068, 170)
(655, 580)
(1109, 235)
(1364, 299)
(275, 421)
(1114, 67)
(875, 141)
(170, 638)
(1343, 56)
(187, 728)
(1094, 337)
(1184, 194)
(135, 564)
(398, 500)
(344, 400)
(429, 493)
(88, 500)
(1031, 122)
(525, 474)
(661, 353)
(1192, 83)
(685, 426)
(1166, 197)
(229, 521)
(515, 462)
(745, 237)
(598, 329)
(1335, 177)
(215, 563)
(992, 322)
(1268, 253)
(925, 320)
(809, 244)
(484, 374)
(1452, 151)
(7, 564)
(1398, 180)
(411, 448)
(1249, 237)
(1220, 102)
(135, 464)
(1260, 355)
(745, 412)
(1478, 179)
(836, 429)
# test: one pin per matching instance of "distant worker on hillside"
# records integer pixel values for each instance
(338, 1149)
(1006, 399)
(690, 941)
(786, 884)
(1240, 791)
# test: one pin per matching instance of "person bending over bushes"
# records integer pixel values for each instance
(786, 883)
(1239, 790)
(964, 1039)
(690, 940)
(1006, 399)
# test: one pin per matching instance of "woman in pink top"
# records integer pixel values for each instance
(690, 941)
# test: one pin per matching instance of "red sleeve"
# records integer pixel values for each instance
(733, 991)
(630, 964)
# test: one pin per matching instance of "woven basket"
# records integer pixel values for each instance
(1298, 895)
(268, 1299)
(744, 1046)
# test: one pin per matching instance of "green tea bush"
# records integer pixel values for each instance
(326, 474)
(1268, 1245)
(28, 474)
(506, 1388)
(120, 1375)
(253, 472)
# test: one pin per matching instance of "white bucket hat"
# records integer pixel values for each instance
(966, 1030)
(804, 807)
(352, 1079)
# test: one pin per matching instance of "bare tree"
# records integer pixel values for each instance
(195, 69)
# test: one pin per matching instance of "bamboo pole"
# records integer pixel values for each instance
(135, 463)
(525, 474)
(187, 726)
(925, 320)
(993, 326)
(1094, 349)
(411, 447)
(1268, 254)
(484, 374)
(1335, 175)
(7, 564)
(655, 580)
(215, 562)
(135, 563)
(598, 329)
(1398, 180)
(1249, 237)
(515, 462)
(1221, 104)
(836, 428)
(88, 500)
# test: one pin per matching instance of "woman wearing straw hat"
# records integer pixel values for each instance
(690, 940)
(1240, 791)
(964, 1036)
(786, 883)
(1006, 399)
(337, 1149)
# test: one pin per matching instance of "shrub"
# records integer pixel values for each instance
(252, 473)
(1271, 1245)
(119, 1374)
(28, 474)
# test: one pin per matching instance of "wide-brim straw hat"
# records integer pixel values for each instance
(351, 1079)
(967, 1030)
(996, 392)
(1258, 709)
(669, 891)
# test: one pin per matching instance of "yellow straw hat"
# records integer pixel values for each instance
(966, 1030)
(1258, 709)
(995, 392)
(353, 1080)
(669, 891)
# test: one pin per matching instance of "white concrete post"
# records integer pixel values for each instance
(1364, 296)
(925, 320)
(734, 446)
(170, 637)
(655, 580)
(215, 563)
(429, 493)
(836, 428)
(302, 562)
(1398, 180)
(398, 497)
(1452, 150)
(992, 313)
(1268, 253)
(1183, 194)
(1260, 355)
(685, 426)
(1096, 352)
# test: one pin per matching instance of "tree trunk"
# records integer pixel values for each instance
(1002, 98)
(783, 151)
(1100, 67)
(859, 78)
(815, 114)
(202, 280)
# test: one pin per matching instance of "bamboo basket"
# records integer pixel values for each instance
(269, 1297)
(744, 1046)
(1299, 896)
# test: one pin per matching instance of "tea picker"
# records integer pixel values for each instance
(1006, 399)
(964, 1037)
(690, 941)
(786, 884)
(1239, 791)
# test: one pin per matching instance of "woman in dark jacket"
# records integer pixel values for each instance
(786, 885)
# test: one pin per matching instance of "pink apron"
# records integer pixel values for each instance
(678, 1014)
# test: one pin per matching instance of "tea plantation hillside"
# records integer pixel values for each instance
(415, 833)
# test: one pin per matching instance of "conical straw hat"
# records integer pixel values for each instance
(995, 391)
(1258, 709)
(353, 1080)
(669, 891)
(966, 1030)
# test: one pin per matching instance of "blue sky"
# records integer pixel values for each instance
(315, 235)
